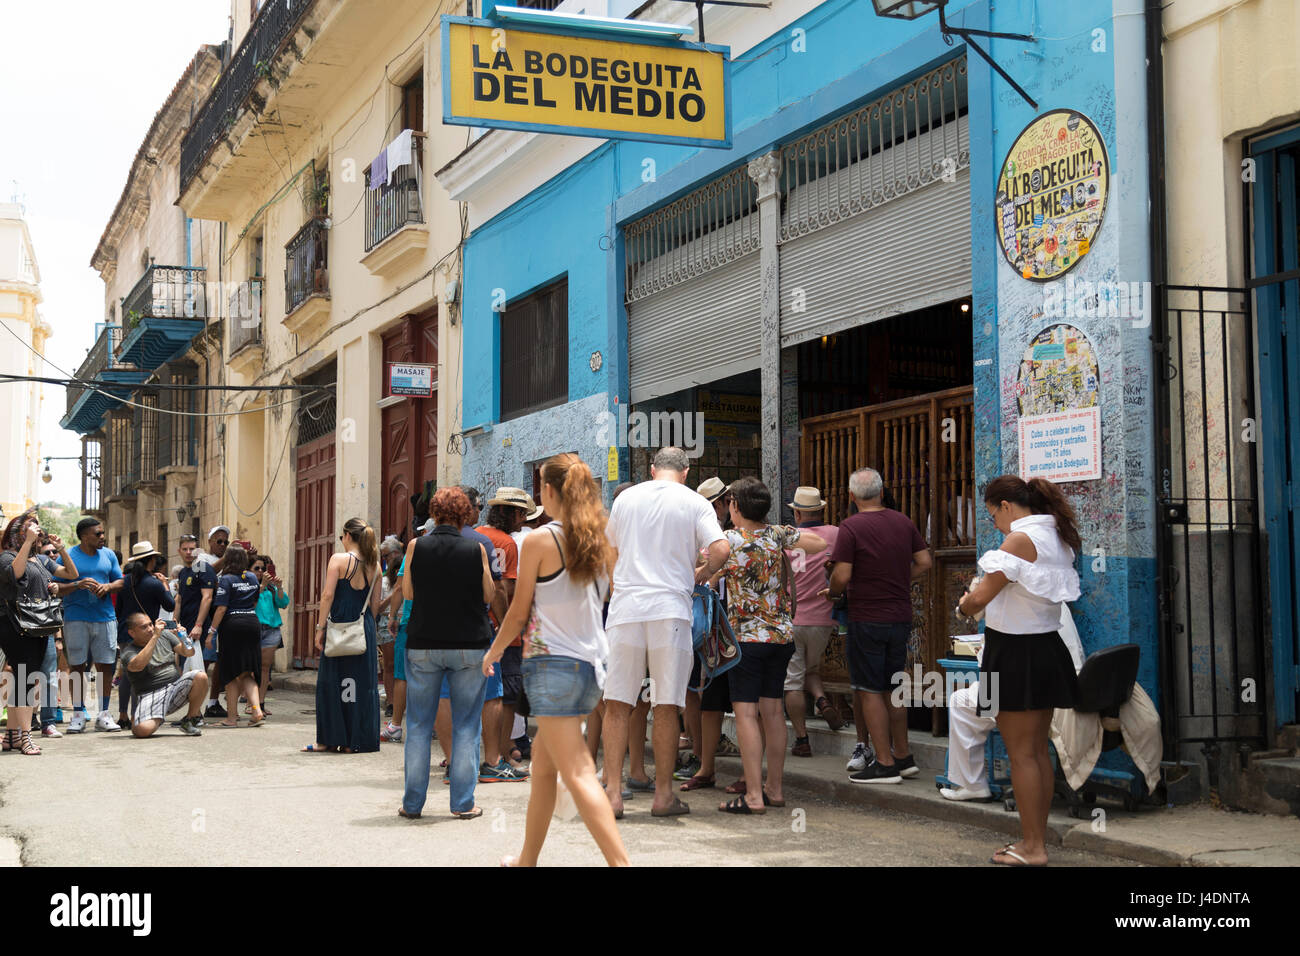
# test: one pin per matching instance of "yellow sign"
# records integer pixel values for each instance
(1051, 195)
(611, 467)
(583, 85)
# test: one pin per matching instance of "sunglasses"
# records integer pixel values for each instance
(99, 534)
(49, 551)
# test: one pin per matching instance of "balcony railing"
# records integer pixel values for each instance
(306, 268)
(90, 462)
(275, 23)
(100, 357)
(398, 202)
(166, 292)
(245, 315)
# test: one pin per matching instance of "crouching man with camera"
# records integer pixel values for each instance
(160, 683)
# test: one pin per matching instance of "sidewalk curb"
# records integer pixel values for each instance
(904, 798)
(301, 681)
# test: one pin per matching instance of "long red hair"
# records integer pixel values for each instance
(586, 549)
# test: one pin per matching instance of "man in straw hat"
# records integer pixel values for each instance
(813, 624)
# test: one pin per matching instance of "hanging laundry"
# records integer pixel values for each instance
(379, 170)
(399, 153)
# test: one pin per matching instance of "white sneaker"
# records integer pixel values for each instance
(861, 757)
(78, 723)
(964, 793)
(105, 721)
(49, 730)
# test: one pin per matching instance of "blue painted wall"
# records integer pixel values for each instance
(851, 55)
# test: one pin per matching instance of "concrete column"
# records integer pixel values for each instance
(765, 171)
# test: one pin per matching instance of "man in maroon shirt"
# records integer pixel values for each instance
(877, 554)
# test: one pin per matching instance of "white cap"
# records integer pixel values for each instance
(220, 527)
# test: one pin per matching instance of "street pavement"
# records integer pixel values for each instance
(247, 796)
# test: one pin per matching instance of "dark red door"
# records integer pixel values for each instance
(314, 537)
(409, 443)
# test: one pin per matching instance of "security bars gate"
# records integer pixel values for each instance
(1214, 674)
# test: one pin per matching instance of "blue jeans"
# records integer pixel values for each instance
(424, 674)
(49, 683)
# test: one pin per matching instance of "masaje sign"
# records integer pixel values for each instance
(567, 83)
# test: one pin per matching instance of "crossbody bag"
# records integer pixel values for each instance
(348, 638)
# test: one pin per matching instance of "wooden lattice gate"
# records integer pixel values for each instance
(923, 448)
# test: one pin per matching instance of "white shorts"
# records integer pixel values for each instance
(661, 648)
(158, 703)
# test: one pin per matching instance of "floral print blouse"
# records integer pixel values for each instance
(758, 605)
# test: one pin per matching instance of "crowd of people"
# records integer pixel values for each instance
(584, 621)
(82, 615)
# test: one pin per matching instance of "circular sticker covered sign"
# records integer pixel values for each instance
(1058, 371)
(1052, 195)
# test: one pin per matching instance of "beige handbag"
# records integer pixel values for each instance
(348, 638)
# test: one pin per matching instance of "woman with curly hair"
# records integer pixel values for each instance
(563, 581)
(449, 581)
(28, 575)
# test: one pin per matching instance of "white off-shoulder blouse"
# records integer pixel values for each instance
(1031, 602)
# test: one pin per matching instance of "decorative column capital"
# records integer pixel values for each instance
(764, 170)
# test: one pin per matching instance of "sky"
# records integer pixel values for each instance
(80, 82)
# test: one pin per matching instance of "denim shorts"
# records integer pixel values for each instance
(271, 637)
(90, 642)
(560, 686)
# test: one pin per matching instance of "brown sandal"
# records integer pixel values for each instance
(738, 787)
(699, 783)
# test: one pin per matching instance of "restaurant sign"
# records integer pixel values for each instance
(550, 80)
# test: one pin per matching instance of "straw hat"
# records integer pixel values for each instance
(712, 489)
(141, 550)
(513, 498)
(534, 510)
(807, 498)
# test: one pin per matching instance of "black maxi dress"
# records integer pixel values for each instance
(347, 688)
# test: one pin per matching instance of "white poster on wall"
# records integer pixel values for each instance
(1061, 446)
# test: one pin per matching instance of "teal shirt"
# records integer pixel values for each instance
(266, 607)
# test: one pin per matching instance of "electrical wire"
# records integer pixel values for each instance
(131, 404)
(225, 475)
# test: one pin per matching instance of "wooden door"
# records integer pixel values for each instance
(410, 425)
(314, 541)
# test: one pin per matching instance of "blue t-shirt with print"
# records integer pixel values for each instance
(81, 605)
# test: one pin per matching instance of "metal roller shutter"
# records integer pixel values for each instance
(696, 331)
(911, 253)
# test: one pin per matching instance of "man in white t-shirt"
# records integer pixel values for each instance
(657, 529)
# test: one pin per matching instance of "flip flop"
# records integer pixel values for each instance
(313, 749)
(1007, 851)
(769, 802)
(257, 720)
(674, 809)
(468, 814)
(409, 816)
(738, 787)
(699, 783)
(740, 806)
(639, 786)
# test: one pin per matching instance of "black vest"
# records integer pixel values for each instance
(447, 611)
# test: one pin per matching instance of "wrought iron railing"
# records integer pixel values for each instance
(245, 311)
(166, 292)
(707, 228)
(399, 201)
(275, 23)
(100, 357)
(306, 264)
(122, 468)
(906, 139)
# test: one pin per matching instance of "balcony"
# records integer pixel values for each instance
(395, 233)
(298, 57)
(114, 382)
(246, 351)
(162, 314)
(306, 278)
(248, 67)
(177, 435)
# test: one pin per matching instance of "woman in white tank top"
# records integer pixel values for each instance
(1026, 668)
(564, 571)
